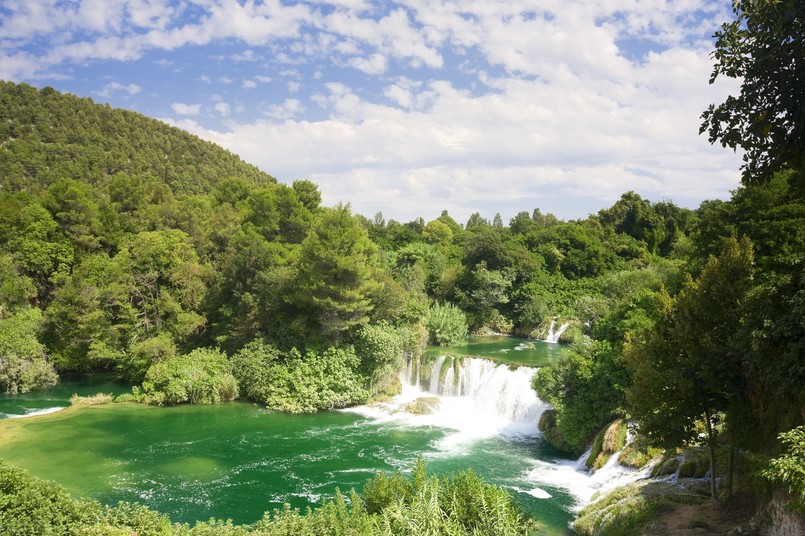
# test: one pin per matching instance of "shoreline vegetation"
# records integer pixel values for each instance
(132, 247)
(459, 504)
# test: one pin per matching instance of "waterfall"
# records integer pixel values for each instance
(475, 394)
(553, 336)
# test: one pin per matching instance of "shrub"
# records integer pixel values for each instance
(788, 469)
(379, 346)
(447, 324)
(200, 377)
(33, 507)
(97, 399)
(24, 366)
(300, 383)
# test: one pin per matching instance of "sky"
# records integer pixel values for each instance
(410, 107)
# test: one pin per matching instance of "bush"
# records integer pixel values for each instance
(200, 377)
(460, 505)
(788, 469)
(299, 383)
(447, 324)
(638, 453)
(379, 346)
(98, 399)
(33, 507)
(24, 365)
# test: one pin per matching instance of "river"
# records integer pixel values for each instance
(238, 460)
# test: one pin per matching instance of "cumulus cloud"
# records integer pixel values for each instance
(186, 109)
(422, 105)
(222, 108)
(115, 87)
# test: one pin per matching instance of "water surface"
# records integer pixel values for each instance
(238, 460)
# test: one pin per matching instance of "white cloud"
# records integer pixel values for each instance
(375, 64)
(555, 104)
(222, 108)
(288, 109)
(186, 109)
(115, 87)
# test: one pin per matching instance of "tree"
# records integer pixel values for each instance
(586, 387)
(24, 365)
(308, 193)
(689, 367)
(336, 273)
(765, 47)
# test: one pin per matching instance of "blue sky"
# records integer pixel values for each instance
(411, 107)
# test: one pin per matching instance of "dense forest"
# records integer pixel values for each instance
(208, 267)
(133, 247)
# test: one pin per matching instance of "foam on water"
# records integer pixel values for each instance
(478, 399)
(34, 412)
(474, 398)
(583, 484)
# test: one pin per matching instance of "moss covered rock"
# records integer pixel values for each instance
(638, 453)
(422, 406)
(668, 465)
(547, 425)
(609, 441)
(629, 510)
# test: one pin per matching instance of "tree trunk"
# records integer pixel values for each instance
(711, 446)
(730, 471)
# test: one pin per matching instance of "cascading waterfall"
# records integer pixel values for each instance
(553, 336)
(475, 394)
(477, 399)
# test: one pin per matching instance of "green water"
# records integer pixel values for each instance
(59, 395)
(505, 349)
(239, 460)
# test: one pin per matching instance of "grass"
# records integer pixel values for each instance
(98, 399)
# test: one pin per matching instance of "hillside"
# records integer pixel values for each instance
(47, 136)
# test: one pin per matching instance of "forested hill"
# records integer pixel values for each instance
(47, 136)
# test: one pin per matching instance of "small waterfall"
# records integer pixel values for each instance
(478, 391)
(553, 336)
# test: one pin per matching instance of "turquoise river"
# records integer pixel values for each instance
(238, 460)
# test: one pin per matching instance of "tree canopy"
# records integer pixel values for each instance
(764, 47)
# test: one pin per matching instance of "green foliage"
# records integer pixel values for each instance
(336, 278)
(765, 119)
(638, 453)
(586, 387)
(459, 504)
(16, 289)
(379, 346)
(24, 365)
(33, 507)
(200, 377)
(788, 469)
(53, 136)
(447, 324)
(299, 383)
(131, 518)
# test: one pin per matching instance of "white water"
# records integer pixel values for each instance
(478, 398)
(475, 398)
(34, 412)
(553, 336)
